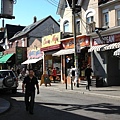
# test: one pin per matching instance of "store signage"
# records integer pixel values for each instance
(21, 54)
(82, 41)
(107, 39)
(51, 40)
(35, 53)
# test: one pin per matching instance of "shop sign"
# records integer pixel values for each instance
(51, 40)
(21, 54)
(82, 41)
(35, 53)
(107, 39)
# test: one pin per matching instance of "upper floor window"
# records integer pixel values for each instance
(10, 45)
(78, 26)
(90, 19)
(16, 42)
(66, 26)
(105, 17)
(118, 16)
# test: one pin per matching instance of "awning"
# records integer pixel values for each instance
(97, 48)
(65, 52)
(112, 46)
(117, 52)
(5, 58)
(29, 61)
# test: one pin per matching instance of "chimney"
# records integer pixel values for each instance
(35, 19)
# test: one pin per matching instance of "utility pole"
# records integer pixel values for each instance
(75, 42)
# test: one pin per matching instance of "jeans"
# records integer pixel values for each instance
(88, 82)
(29, 100)
(54, 78)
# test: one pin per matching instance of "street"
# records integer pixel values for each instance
(62, 105)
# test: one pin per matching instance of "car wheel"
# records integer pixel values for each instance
(8, 81)
(14, 91)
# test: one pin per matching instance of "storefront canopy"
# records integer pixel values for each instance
(29, 61)
(117, 52)
(97, 48)
(5, 58)
(65, 52)
(112, 46)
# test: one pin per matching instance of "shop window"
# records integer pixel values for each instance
(66, 26)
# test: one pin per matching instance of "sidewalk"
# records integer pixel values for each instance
(4, 105)
(111, 92)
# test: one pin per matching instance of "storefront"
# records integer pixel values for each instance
(35, 60)
(7, 61)
(104, 62)
(50, 45)
(67, 54)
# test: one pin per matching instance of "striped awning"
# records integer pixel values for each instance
(112, 46)
(97, 48)
(117, 52)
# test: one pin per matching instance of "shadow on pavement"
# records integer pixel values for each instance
(105, 108)
(41, 112)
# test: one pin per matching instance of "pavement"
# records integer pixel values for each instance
(112, 92)
(108, 92)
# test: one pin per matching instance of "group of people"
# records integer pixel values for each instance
(88, 73)
(30, 81)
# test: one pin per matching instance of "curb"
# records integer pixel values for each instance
(4, 106)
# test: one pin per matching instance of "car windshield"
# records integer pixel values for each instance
(6, 74)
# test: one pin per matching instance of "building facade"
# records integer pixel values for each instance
(96, 21)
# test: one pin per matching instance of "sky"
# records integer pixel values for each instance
(25, 10)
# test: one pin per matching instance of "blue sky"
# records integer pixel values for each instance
(25, 10)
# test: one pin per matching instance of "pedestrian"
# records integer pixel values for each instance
(18, 71)
(54, 74)
(88, 72)
(29, 83)
(72, 71)
(45, 79)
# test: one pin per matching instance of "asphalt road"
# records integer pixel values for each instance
(59, 105)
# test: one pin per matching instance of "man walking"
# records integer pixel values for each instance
(88, 72)
(29, 83)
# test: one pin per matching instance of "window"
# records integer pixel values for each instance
(10, 45)
(23, 42)
(78, 26)
(105, 19)
(90, 19)
(16, 43)
(66, 26)
(118, 17)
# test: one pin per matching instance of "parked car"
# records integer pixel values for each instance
(8, 80)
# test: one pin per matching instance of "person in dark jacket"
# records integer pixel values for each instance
(29, 83)
(88, 73)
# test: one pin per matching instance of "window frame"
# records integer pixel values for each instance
(90, 19)
(66, 24)
(78, 26)
(104, 12)
(117, 18)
